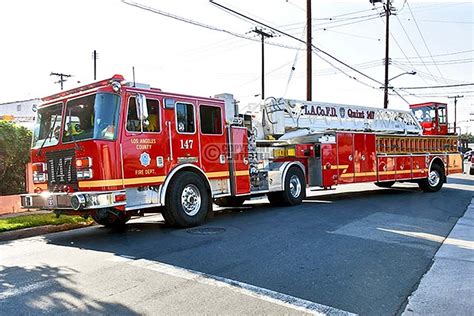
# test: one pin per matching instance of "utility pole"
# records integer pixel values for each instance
(388, 12)
(309, 53)
(387, 6)
(263, 36)
(62, 77)
(95, 56)
(455, 109)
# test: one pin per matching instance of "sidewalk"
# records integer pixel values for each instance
(448, 287)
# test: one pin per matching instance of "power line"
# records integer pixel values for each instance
(441, 21)
(444, 62)
(414, 47)
(437, 87)
(442, 55)
(316, 49)
(353, 35)
(423, 38)
(195, 23)
(400, 47)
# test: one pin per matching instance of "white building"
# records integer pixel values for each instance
(20, 112)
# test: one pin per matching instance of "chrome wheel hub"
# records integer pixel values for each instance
(295, 186)
(434, 178)
(191, 200)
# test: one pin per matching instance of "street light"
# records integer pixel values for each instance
(391, 87)
(404, 73)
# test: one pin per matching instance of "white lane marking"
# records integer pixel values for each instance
(24, 289)
(239, 287)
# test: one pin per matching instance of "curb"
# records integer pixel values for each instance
(447, 285)
(40, 230)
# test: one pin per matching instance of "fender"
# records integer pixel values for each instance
(287, 167)
(445, 180)
(164, 186)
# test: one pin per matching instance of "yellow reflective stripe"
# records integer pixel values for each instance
(242, 173)
(100, 183)
(335, 167)
(358, 174)
(218, 174)
(130, 181)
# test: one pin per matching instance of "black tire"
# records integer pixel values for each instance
(111, 219)
(435, 180)
(291, 195)
(182, 208)
(387, 184)
(471, 171)
(230, 201)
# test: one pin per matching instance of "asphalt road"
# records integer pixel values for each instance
(359, 249)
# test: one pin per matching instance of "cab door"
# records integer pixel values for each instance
(142, 150)
(183, 132)
(212, 139)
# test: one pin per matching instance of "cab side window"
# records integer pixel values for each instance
(153, 121)
(151, 124)
(133, 123)
(185, 118)
(211, 122)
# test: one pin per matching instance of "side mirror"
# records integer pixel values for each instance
(142, 109)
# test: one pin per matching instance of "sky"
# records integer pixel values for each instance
(435, 39)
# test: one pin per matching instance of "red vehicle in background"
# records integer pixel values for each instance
(433, 117)
(114, 149)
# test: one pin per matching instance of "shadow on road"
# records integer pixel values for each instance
(357, 251)
(45, 289)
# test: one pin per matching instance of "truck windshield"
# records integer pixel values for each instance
(47, 126)
(92, 117)
(425, 114)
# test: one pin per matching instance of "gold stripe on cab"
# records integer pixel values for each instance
(242, 173)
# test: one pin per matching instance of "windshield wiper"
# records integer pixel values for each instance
(50, 134)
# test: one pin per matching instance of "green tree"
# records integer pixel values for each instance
(468, 137)
(14, 155)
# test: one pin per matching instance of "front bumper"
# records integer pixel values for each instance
(73, 201)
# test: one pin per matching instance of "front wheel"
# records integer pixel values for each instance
(435, 180)
(187, 200)
(294, 189)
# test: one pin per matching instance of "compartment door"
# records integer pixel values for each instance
(345, 157)
(386, 168)
(364, 158)
(239, 163)
(403, 170)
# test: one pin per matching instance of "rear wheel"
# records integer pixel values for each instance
(435, 179)
(387, 184)
(295, 189)
(187, 200)
(230, 201)
(112, 219)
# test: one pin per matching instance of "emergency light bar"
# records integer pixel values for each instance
(115, 78)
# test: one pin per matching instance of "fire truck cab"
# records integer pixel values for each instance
(114, 149)
(432, 116)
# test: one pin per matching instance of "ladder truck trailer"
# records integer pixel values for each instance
(115, 149)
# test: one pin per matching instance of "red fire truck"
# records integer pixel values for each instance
(115, 149)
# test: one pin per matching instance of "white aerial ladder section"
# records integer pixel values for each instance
(287, 118)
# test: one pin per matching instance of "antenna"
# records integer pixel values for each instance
(133, 75)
